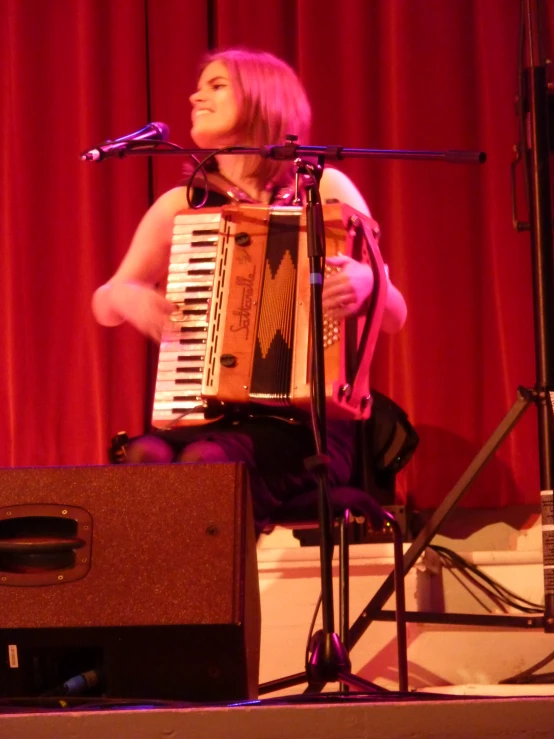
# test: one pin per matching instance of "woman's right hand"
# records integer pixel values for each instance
(138, 304)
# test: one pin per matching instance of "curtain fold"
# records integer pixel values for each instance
(381, 74)
(73, 75)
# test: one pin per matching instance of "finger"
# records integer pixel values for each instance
(338, 276)
(338, 260)
(167, 306)
(338, 314)
(339, 310)
(156, 333)
(338, 292)
(336, 279)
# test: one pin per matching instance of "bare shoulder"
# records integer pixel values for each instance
(157, 223)
(338, 186)
(170, 202)
(148, 255)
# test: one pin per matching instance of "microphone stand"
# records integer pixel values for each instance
(533, 111)
(538, 156)
(329, 661)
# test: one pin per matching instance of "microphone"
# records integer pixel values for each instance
(150, 133)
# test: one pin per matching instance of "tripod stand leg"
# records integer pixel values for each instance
(524, 399)
(359, 684)
(546, 436)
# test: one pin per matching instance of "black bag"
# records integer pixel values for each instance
(386, 443)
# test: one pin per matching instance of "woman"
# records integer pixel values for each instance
(252, 99)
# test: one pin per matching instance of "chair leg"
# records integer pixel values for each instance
(344, 596)
(401, 638)
(344, 586)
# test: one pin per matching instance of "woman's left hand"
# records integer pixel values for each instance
(347, 287)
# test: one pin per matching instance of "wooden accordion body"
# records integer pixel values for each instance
(240, 333)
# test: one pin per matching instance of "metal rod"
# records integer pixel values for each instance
(538, 158)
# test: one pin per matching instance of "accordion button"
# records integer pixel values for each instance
(243, 239)
(228, 360)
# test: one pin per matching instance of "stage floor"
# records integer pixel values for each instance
(327, 717)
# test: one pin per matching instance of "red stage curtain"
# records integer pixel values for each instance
(393, 74)
(73, 74)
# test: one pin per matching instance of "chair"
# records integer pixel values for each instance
(385, 444)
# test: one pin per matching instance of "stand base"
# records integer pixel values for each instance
(346, 678)
(329, 663)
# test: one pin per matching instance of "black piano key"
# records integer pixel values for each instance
(201, 272)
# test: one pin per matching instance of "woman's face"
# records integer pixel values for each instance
(214, 109)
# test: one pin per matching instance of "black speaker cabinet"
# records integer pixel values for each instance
(144, 575)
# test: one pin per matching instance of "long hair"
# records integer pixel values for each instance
(272, 103)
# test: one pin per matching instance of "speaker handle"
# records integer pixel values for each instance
(44, 544)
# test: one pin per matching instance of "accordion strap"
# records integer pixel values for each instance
(374, 316)
(218, 183)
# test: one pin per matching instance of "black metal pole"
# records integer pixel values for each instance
(538, 161)
(316, 255)
(154, 147)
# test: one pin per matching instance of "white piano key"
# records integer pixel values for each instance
(197, 221)
(190, 268)
(168, 391)
(186, 289)
(199, 216)
(176, 346)
(173, 390)
(166, 401)
(188, 339)
(194, 377)
(189, 322)
(190, 378)
(207, 239)
(183, 256)
(169, 399)
(169, 369)
(183, 359)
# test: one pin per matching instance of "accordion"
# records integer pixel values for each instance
(239, 277)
